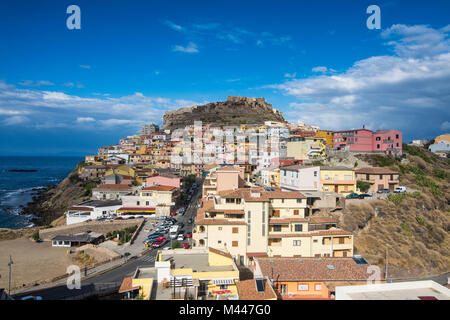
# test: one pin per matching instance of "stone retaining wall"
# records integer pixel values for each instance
(102, 227)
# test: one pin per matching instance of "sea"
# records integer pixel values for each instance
(18, 188)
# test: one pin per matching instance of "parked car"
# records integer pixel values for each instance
(352, 196)
(189, 235)
(364, 195)
(180, 237)
(399, 189)
(118, 218)
(173, 213)
(158, 244)
(185, 245)
(140, 217)
(181, 224)
(190, 221)
(383, 191)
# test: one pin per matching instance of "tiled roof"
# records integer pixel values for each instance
(313, 269)
(375, 170)
(247, 290)
(113, 187)
(246, 194)
(219, 252)
(159, 188)
(127, 285)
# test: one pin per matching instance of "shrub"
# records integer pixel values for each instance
(74, 177)
(35, 235)
(441, 174)
(176, 245)
(396, 198)
(420, 221)
(364, 186)
(417, 151)
(405, 227)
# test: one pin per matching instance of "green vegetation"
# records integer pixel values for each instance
(355, 164)
(440, 174)
(405, 227)
(383, 161)
(364, 186)
(420, 221)
(417, 151)
(35, 236)
(397, 198)
(88, 187)
(124, 235)
(176, 245)
(189, 180)
(74, 178)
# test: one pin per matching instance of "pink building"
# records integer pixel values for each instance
(163, 181)
(364, 140)
(229, 178)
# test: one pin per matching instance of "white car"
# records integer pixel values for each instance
(399, 189)
(180, 237)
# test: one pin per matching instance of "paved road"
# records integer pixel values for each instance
(116, 275)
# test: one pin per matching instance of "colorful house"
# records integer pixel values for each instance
(310, 278)
(326, 135)
(338, 179)
(379, 178)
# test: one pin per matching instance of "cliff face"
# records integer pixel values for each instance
(234, 111)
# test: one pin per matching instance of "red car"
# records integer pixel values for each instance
(173, 213)
(159, 242)
(185, 245)
(188, 235)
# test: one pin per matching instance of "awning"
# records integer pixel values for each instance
(223, 281)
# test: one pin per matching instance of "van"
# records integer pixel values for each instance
(173, 231)
(399, 189)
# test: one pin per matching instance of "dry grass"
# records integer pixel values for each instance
(415, 231)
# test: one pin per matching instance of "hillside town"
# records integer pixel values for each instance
(237, 212)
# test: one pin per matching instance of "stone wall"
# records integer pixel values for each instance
(102, 227)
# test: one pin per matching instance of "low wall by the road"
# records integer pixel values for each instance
(102, 227)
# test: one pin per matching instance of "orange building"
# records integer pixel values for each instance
(311, 278)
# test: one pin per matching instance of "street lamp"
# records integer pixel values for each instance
(10, 263)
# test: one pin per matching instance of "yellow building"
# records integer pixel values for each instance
(122, 170)
(196, 272)
(338, 179)
(304, 148)
(326, 135)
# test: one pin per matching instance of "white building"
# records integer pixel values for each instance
(92, 210)
(300, 178)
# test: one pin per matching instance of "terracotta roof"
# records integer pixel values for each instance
(247, 291)
(287, 220)
(329, 232)
(159, 188)
(80, 208)
(375, 170)
(113, 187)
(127, 285)
(256, 254)
(246, 194)
(313, 269)
(219, 252)
(317, 220)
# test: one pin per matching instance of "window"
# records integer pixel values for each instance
(220, 228)
(235, 243)
(378, 146)
(282, 200)
(296, 212)
(219, 242)
(378, 139)
(315, 173)
(341, 240)
(223, 287)
(315, 240)
(147, 203)
(297, 243)
(396, 137)
(137, 203)
(276, 228)
(318, 287)
(235, 230)
(298, 228)
(299, 200)
(303, 287)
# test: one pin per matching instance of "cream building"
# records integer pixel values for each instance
(254, 222)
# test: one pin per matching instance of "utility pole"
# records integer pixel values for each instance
(386, 269)
(10, 263)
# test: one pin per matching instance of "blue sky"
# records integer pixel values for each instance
(66, 92)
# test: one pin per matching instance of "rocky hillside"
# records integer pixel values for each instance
(53, 202)
(411, 229)
(234, 111)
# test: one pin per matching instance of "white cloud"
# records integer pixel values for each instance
(85, 119)
(31, 83)
(14, 120)
(85, 66)
(290, 75)
(190, 48)
(404, 91)
(172, 25)
(445, 126)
